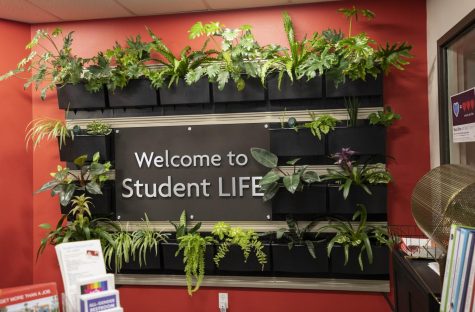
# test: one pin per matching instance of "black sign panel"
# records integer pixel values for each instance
(207, 170)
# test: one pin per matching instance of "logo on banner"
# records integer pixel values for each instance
(456, 108)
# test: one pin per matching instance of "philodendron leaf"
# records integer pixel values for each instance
(270, 191)
(47, 186)
(65, 197)
(310, 177)
(93, 188)
(291, 182)
(293, 162)
(80, 161)
(269, 178)
(264, 157)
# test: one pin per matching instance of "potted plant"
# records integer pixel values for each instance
(136, 251)
(296, 252)
(302, 140)
(356, 183)
(89, 179)
(119, 250)
(295, 192)
(369, 140)
(128, 85)
(353, 249)
(82, 227)
(95, 138)
(233, 243)
(285, 79)
(55, 67)
(235, 62)
(172, 261)
(176, 86)
(361, 60)
(44, 128)
(195, 249)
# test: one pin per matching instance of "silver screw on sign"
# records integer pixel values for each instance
(192, 217)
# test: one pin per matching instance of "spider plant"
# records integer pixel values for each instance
(47, 128)
(119, 248)
(146, 240)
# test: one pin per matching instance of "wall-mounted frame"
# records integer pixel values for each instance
(458, 32)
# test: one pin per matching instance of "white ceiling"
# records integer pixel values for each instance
(44, 11)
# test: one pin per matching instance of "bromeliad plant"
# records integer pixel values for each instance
(276, 177)
(351, 174)
(247, 240)
(89, 178)
(297, 236)
(348, 236)
(81, 228)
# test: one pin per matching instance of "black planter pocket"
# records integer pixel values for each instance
(296, 90)
(298, 260)
(365, 140)
(380, 265)
(175, 264)
(86, 145)
(181, 93)
(376, 203)
(233, 262)
(152, 263)
(137, 93)
(311, 201)
(253, 92)
(102, 204)
(77, 97)
(290, 143)
(368, 87)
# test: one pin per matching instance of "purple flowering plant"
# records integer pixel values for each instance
(350, 173)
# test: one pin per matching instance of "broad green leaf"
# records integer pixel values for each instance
(93, 188)
(291, 182)
(264, 157)
(310, 177)
(271, 191)
(293, 161)
(80, 161)
(269, 178)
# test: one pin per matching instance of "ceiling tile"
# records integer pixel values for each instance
(82, 9)
(155, 7)
(23, 11)
(240, 4)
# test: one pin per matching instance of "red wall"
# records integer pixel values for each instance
(16, 227)
(405, 91)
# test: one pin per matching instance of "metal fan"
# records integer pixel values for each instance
(443, 196)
